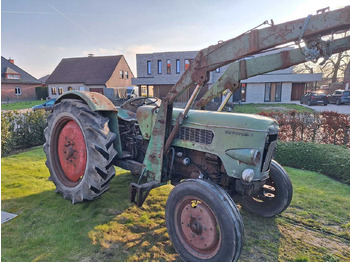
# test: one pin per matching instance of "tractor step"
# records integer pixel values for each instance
(139, 192)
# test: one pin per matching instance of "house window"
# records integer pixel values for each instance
(149, 68)
(121, 74)
(70, 88)
(217, 70)
(177, 66)
(168, 66)
(12, 76)
(53, 91)
(273, 92)
(187, 63)
(159, 66)
(126, 75)
(243, 92)
(60, 90)
(18, 91)
(82, 88)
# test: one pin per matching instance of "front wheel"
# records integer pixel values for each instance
(79, 151)
(274, 197)
(338, 103)
(203, 222)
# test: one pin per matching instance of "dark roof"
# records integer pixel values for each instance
(8, 67)
(95, 70)
(44, 78)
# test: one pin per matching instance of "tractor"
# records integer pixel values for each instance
(211, 157)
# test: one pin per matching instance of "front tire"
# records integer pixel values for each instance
(274, 197)
(203, 222)
(79, 150)
(338, 103)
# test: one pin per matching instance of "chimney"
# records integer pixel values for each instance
(11, 60)
(90, 55)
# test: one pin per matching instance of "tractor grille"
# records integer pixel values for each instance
(195, 135)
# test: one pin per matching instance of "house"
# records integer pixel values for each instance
(108, 75)
(158, 72)
(16, 84)
(279, 86)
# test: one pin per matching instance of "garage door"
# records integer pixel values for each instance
(97, 90)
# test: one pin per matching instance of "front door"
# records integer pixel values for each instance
(297, 90)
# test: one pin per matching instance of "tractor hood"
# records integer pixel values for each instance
(146, 115)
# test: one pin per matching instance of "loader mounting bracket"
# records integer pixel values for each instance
(139, 192)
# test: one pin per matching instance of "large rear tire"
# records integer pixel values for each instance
(79, 150)
(203, 222)
(274, 197)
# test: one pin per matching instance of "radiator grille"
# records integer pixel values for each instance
(195, 135)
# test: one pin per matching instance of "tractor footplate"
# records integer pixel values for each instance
(138, 193)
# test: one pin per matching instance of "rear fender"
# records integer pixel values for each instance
(100, 103)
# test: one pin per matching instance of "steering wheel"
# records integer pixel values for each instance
(141, 101)
(134, 103)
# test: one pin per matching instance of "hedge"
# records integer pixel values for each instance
(330, 160)
(41, 92)
(22, 130)
(325, 128)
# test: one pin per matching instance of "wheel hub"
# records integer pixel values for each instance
(199, 227)
(72, 151)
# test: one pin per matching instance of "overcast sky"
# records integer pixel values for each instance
(37, 34)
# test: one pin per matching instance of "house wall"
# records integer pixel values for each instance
(256, 92)
(116, 80)
(8, 92)
(65, 88)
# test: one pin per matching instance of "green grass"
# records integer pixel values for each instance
(316, 227)
(257, 108)
(21, 105)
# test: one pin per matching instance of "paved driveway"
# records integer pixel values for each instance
(343, 109)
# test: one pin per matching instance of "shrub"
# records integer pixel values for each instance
(326, 127)
(41, 92)
(330, 160)
(22, 130)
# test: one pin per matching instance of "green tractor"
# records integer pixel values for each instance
(211, 157)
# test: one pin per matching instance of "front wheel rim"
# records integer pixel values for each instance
(197, 227)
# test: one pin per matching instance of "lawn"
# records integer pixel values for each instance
(257, 108)
(316, 227)
(21, 105)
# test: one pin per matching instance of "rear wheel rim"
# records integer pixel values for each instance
(197, 227)
(70, 154)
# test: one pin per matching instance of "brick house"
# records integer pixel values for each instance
(108, 75)
(158, 72)
(16, 84)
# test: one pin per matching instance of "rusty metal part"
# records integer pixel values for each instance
(197, 227)
(260, 65)
(96, 101)
(181, 117)
(72, 151)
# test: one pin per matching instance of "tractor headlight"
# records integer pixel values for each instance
(248, 175)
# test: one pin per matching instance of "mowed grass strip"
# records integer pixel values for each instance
(21, 105)
(314, 228)
(257, 108)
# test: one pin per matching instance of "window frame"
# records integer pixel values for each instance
(149, 67)
(60, 90)
(126, 74)
(159, 64)
(168, 66)
(178, 66)
(53, 91)
(18, 90)
(121, 74)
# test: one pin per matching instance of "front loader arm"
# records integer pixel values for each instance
(216, 56)
(244, 69)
